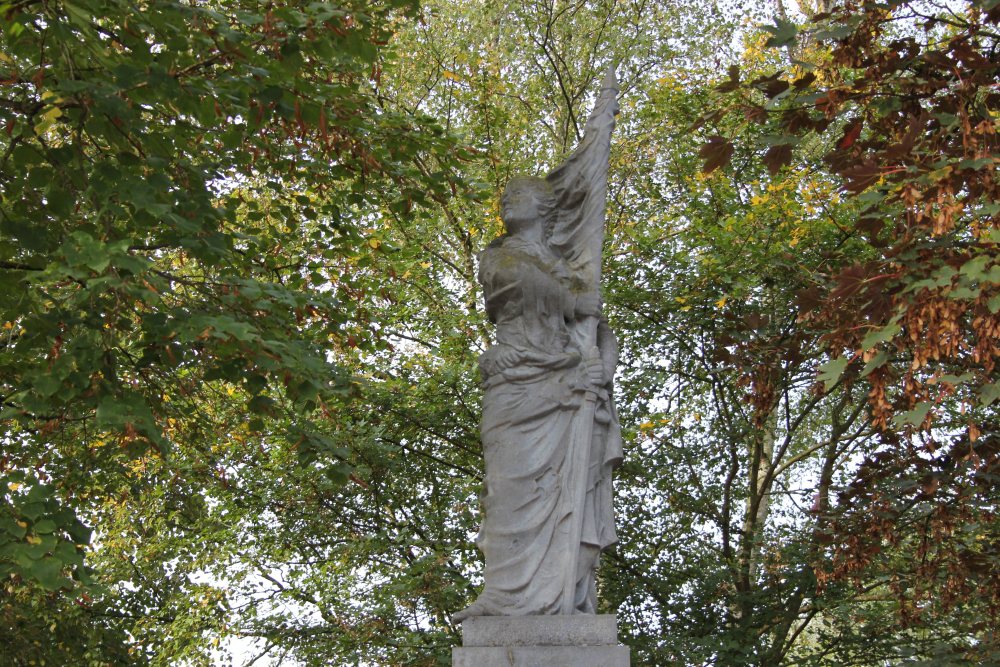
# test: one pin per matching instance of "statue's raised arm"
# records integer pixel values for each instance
(581, 186)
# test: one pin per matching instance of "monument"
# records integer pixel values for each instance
(549, 429)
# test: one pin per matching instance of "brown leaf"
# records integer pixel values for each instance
(849, 281)
(808, 299)
(757, 321)
(775, 88)
(755, 114)
(777, 157)
(804, 80)
(938, 59)
(870, 226)
(794, 120)
(733, 82)
(851, 134)
(762, 83)
(860, 176)
(716, 153)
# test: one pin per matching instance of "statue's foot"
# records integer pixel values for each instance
(475, 609)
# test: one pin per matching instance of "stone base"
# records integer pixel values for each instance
(540, 641)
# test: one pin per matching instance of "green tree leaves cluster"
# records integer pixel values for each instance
(185, 188)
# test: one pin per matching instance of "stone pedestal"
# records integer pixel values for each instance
(540, 641)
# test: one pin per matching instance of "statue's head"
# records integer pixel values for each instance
(527, 201)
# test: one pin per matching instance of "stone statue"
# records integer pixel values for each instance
(549, 429)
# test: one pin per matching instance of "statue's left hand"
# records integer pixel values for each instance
(592, 372)
(588, 304)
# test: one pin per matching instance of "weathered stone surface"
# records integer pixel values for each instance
(550, 430)
(536, 631)
(541, 656)
(581, 640)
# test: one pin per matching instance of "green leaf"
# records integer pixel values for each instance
(975, 268)
(875, 362)
(68, 554)
(989, 394)
(882, 335)
(79, 532)
(978, 163)
(47, 385)
(9, 525)
(32, 510)
(914, 417)
(48, 572)
(44, 526)
(834, 32)
(955, 379)
(965, 293)
(830, 372)
(261, 405)
(783, 33)
(40, 493)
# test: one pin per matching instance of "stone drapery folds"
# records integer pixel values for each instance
(549, 429)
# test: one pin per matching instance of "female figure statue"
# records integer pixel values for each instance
(536, 378)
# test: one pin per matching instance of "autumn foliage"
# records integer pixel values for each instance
(904, 102)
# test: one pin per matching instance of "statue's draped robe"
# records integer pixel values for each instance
(534, 384)
(543, 428)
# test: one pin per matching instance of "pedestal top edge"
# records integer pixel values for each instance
(548, 630)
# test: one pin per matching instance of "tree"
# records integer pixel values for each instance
(899, 94)
(187, 196)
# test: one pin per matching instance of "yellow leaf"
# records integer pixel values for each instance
(22, 524)
(451, 76)
(425, 265)
(8, 325)
(34, 539)
(374, 243)
(680, 299)
(47, 119)
(14, 486)
(721, 303)
(646, 426)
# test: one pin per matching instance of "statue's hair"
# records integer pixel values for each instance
(547, 198)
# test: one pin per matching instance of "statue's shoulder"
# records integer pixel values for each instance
(493, 251)
(495, 244)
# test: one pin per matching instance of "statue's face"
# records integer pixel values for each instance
(519, 208)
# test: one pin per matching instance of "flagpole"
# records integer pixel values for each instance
(578, 456)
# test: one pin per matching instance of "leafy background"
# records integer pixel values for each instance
(240, 323)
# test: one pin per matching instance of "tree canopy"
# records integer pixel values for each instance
(240, 323)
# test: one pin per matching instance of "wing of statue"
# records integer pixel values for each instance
(581, 185)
